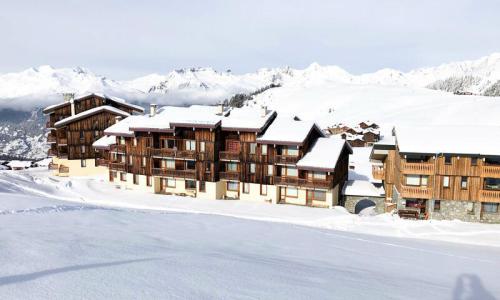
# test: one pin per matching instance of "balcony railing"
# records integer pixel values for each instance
(118, 148)
(63, 169)
(416, 192)
(101, 162)
(51, 139)
(228, 155)
(175, 173)
(174, 153)
(117, 166)
(314, 183)
(252, 158)
(285, 159)
(378, 172)
(205, 156)
(492, 171)
(489, 196)
(230, 175)
(62, 141)
(417, 168)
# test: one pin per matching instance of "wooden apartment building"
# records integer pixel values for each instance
(441, 172)
(74, 126)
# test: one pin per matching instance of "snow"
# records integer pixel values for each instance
(362, 188)
(474, 140)
(19, 164)
(324, 154)
(247, 118)
(104, 142)
(122, 128)
(287, 130)
(90, 112)
(103, 242)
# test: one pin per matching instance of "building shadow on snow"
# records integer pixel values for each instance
(35, 275)
(469, 287)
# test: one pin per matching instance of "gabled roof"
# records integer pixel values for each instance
(324, 155)
(248, 119)
(91, 112)
(285, 131)
(104, 142)
(117, 100)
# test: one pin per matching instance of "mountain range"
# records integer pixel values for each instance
(23, 94)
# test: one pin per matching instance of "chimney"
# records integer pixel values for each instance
(152, 110)
(220, 110)
(118, 119)
(263, 111)
(68, 97)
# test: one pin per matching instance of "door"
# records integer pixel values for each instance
(282, 195)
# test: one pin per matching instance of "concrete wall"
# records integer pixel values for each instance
(351, 201)
(75, 168)
(129, 184)
(213, 190)
(254, 193)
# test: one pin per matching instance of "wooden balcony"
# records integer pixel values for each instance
(295, 181)
(228, 155)
(118, 148)
(378, 172)
(489, 196)
(173, 153)
(422, 192)
(206, 156)
(417, 168)
(52, 152)
(252, 158)
(191, 174)
(51, 138)
(230, 176)
(49, 124)
(101, 162)
(285, 159)
(117, 166)
(491, 171)
(62, 141)
(63, 169)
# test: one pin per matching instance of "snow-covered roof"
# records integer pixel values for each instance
(353, 137)
(90, 112)
(372, 130)
(104, 142)
(122, 128)
(324, 155)
(362, 188)
(104, 96)
(19, 164)
(288, 131)
(248, 119)
(465, 140)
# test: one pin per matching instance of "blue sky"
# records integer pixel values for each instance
(126, 39)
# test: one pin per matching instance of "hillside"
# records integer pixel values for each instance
(327, 94)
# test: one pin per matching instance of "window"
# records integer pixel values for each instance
(169, 164)
(232, 167)
(252, 168)
(143, 161)
(190, 145)
(473, 161)
(263, 149)
(96, 134)
(463, 182)
(470, 208)
(83, 163)
(148, 180)
(437, 205)
(270, 170)
(490, 207)
(170, 182)
(447, 159)
(246, 187)
(82, 149)
(123, 176)
(417, 180)
(122, 158)
(292, 192)
(292, 151)
(122, 140)
(130, 160)
(190, 184)
(169, 143)
(233, 146)
(316, 195)
(191, 165)
(202, 146)
(208, 166)
(253, 148)
(135, 179)
(492, 184)
(232, 186)
(135, 141)
(202, 187)
(114, 174)
(290, 171)
(446, 181)
(319, 175)
(82, 136)
(263, 189)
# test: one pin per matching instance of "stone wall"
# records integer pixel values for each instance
(351, 201)
(451, 210)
